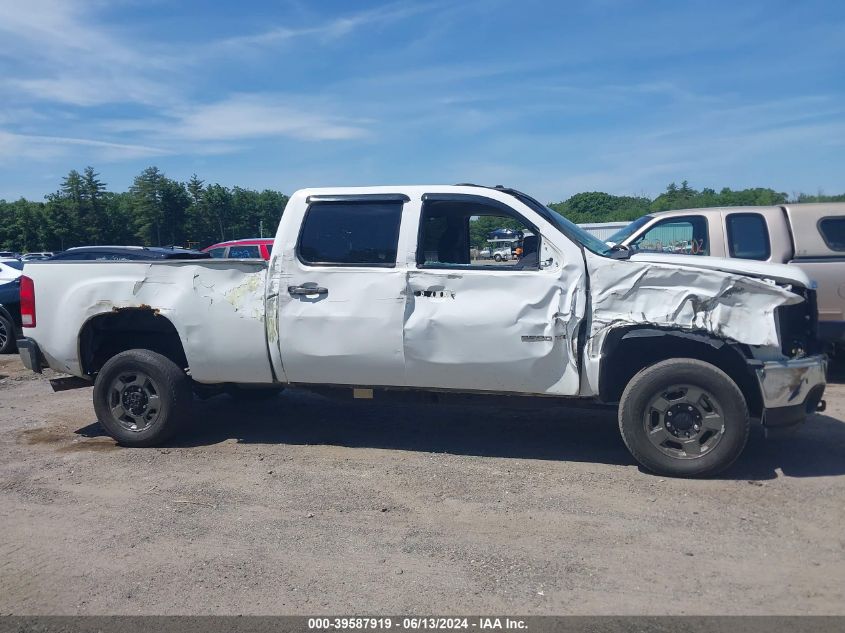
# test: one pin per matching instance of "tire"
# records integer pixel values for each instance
(497, 257)
(709, 430)
(7, 335)
(150, 390)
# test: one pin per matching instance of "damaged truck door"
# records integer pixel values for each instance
(490, 326)
(380, 292)
(342, 295)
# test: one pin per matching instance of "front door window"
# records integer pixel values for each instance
(460, 234)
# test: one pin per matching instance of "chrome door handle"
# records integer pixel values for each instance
(307, 290)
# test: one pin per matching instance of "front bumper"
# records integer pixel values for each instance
(30, 355)
(791, 390)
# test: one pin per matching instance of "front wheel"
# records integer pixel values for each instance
(141, 397)
(683, 417)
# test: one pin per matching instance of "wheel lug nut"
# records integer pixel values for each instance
(696, 427)
(689, 408)
(670, 413)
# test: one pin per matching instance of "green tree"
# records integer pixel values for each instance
(218, 202)
(146, 205)
(92, 209)
(64, 210)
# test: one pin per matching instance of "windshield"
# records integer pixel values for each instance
(575, 232)
(570, 230)
(624, 233)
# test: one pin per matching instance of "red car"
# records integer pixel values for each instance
(256, 248)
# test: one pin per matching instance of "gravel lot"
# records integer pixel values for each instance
(306, 506)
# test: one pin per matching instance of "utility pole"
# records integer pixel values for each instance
(261, 228)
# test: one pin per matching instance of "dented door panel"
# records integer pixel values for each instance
(350, 335)
(491, 331)
(498, 330)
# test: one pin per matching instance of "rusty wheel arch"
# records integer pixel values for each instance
(107, 334)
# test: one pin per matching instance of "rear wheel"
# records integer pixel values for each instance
(497, 257)
(683, 417)
(141, 397)
(7, 335)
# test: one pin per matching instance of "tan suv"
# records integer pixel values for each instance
(810, 236)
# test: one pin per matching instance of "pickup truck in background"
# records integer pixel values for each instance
(808, 236)
(371, 293)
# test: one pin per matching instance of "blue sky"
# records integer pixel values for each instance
(550, 97)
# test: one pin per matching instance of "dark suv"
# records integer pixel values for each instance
(118, 253)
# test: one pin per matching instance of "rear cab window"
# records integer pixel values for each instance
(350, 233)
(683, 235)
(833, 232)
(748, 236)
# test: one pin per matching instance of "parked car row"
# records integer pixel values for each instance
(253, 248)
(27, 257)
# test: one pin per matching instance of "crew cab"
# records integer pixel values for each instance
(371, 293)
(808, 236)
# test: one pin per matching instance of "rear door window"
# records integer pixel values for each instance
(350, 233)
(748, 236)
(833, 233)
(684, 235)
(217, 252)
(244, 252)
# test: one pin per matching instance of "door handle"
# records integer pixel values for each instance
(307, 290)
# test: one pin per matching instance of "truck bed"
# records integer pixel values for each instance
(219, 303)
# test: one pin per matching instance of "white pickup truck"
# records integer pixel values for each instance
(371, 292)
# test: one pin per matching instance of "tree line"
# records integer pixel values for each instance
(597, 206)
(156, 211)
(160, 211)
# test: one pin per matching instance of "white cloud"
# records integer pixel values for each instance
(337, 27)
(39, 147)
(60, 53)
(245, 116)
(242, 117)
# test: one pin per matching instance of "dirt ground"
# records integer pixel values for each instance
(307, 506)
